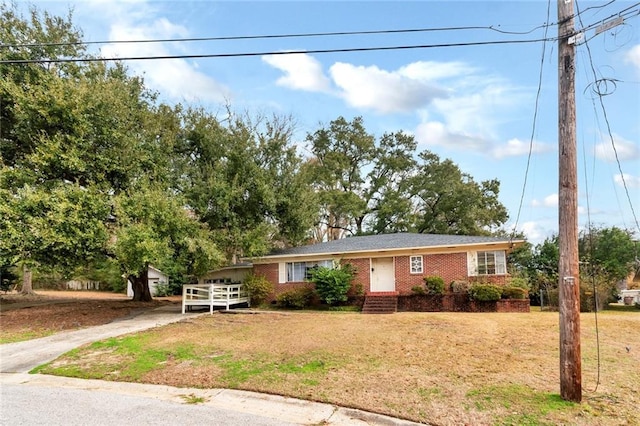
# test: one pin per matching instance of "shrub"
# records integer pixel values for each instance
(434, 285)
(259, 288)
(514, 293)
(520, 283)
(459, 286)
(163, 289)
(485, 293)
(418, 289)
(332, 285)
(298, 298)
(552, 298)
(356, 290)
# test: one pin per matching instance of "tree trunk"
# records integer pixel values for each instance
(140, 286)
(27, 285)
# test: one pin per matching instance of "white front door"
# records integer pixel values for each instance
(383, 276)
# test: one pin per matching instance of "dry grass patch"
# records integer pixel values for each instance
(49, 312)
(442, 368)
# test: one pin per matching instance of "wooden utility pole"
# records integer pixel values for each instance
(569, 282)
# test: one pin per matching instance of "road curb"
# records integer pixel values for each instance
(289, 410)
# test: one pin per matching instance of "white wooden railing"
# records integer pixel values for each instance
(629, 297)
(213, 295)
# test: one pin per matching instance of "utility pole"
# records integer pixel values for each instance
(569, 280)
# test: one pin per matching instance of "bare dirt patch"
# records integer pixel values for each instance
(47, 312)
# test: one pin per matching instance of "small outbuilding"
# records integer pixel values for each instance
(155, 277)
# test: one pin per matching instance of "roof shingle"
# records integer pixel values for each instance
(388, 242)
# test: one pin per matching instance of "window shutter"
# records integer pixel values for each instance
(282, 272)
(472, 263)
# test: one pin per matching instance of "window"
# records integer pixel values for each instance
(301, 271)
(416, 264)
(492, 263)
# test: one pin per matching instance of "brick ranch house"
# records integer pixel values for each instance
(393, 263)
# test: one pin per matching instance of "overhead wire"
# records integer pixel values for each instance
(529, 154)
(612, 140)
(495, 28)
(275, 36)
(533, 126)
(590, 265)
(270, 53)
(601, 6)
(589, 224)
(298, 35)
(624, 13)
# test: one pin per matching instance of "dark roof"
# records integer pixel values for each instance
(388, 242)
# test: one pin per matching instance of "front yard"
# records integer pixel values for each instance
(440, 368)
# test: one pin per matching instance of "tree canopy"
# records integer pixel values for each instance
(607, 257)
(81, 144)
(93, 167)
(244, 180)
(380, 186)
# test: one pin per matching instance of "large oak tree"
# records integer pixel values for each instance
(245, 182)
(84, 150)
(368, 185)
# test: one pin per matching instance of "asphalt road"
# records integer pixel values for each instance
(52, 406)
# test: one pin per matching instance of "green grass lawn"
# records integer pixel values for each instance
(441, 368)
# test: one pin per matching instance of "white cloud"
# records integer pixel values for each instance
(516, 147)
(625, 149)
(369, 87)
(383, 91)
(178, 79)
(630, 180)
(429, 71)
(469, 118)
(302, 72)
(534, 232)
(434, 133)
(459, 106)
(548, 201)
(479, 109)
(633, 57)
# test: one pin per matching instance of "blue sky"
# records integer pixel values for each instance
(473, 104)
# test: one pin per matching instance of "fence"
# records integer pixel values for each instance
(82, 285)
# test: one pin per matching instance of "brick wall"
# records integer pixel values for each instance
(272, 274)
(362, 277)
(513, 305)
(404, 278)
(450, 266)
(457, 302)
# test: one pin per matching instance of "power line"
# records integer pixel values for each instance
(495, 28)
(600, 96)
(271, 53)
(275, 36)
(533, 126)
(624, 13)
